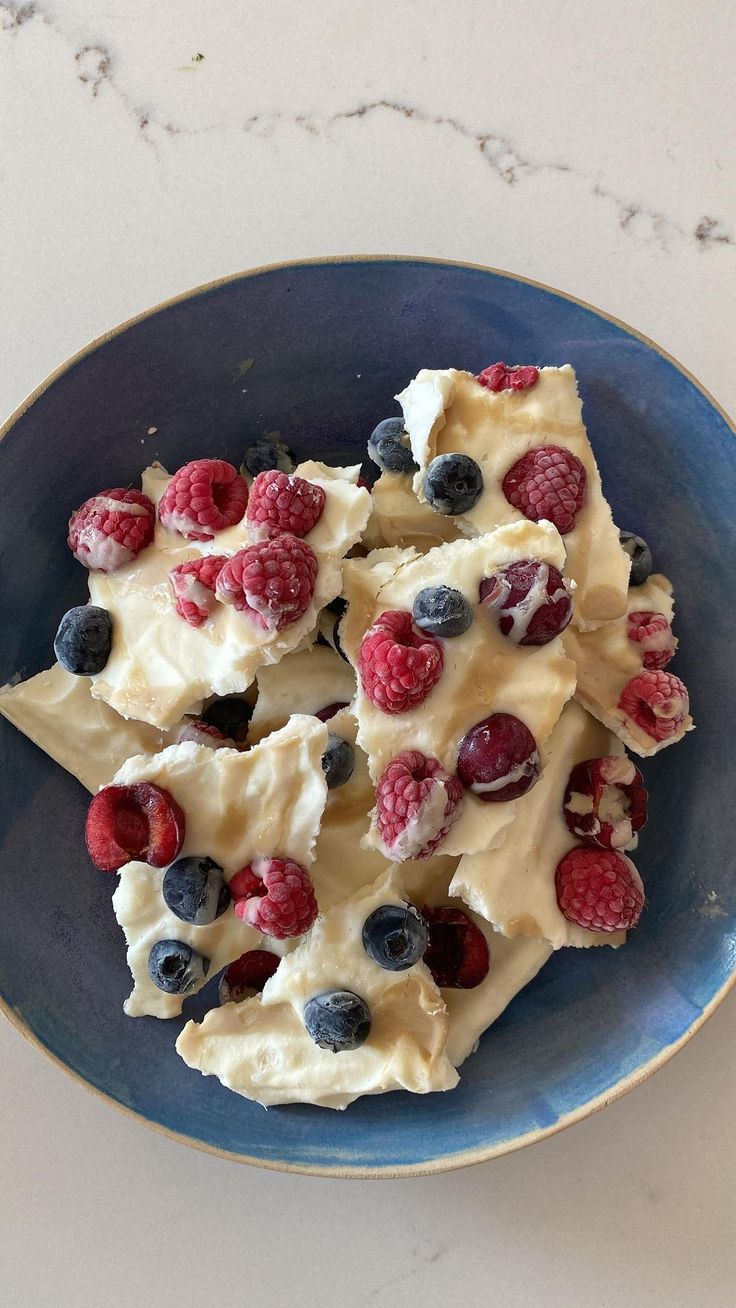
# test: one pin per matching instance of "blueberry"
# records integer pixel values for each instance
(640, 555)
(388, 447)
(339, 606)
(175, 967)
(442, 611)
(231, 716)
(337, 1020)
(195, 891)
(338, 761)
(453, 484)
(267, 452)
(82, 643)
(395, 936)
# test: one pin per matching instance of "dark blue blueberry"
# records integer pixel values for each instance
(640, 555)
(329, 632)
(395, 936)
(339, 606)
(231, 716)
(268, 452)
(453, 484)
(442, 611)
(338, 761)
(175, 967)
(195, 890)
(82, 643)
(337, 1020)
(388, 446)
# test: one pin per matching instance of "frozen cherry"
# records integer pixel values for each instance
(457, 952)
(498, 759)
(532, 599)
(605, 801)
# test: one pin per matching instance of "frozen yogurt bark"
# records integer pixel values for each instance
(449, 411)
(620, 671)
(484, 672)
(238, 807)
(160, 667)
(400, 518)
(307, 681)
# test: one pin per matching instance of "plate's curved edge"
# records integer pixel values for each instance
(205, 287)
(446, 1162)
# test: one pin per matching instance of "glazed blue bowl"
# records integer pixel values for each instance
(316, 351)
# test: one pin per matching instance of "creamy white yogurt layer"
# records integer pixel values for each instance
(160, 667)
(304, 682)
(400, 518)
(448, 411)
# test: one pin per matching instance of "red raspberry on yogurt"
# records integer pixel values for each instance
(416, 804)
(599, 889)
(271, 581)
(653, 634)
(547, 482)
(276, 896)
(657, 702)
(502, 377)
(279, 502)
(111, 528)
(193, 585)
(398, 664)
(202, 498)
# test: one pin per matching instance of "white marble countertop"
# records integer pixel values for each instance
(146, 148)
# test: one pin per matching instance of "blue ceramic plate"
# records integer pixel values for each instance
(332, 342)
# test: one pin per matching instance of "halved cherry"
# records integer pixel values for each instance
(247, 975)
(605, 801)
(457, 952)
(134, 822)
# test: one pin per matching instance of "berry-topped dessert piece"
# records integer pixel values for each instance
(590, 796)
(473, 704)
(204, 605)
(491, 450)
(623, 673)
(248, 822)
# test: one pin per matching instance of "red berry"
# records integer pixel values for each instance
(532, 599)
(364, 484)
(272, 581)
(502, 377)
(276, 896)
(193, 585)
(111, 528)
(202, 498)
(416, 804)
(398, 663)
(605, 801)
(203, 733)
(498, 759)
(457, 954)
(279, 502)
(247, 975)
(547, 482)
(653, 634)
(657, 702)
(325, 714)
(599, 889)
(134, 822)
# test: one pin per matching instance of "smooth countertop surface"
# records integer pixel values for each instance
(145, 149)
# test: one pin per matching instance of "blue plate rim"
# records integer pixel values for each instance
(464, 1158)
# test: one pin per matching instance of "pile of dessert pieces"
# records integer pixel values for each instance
(361, 752)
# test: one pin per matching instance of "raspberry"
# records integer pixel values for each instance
(653, 633)
(599, 889)
(276, 896)
(548, 482)
(657, 702)
(272, 581)
(203, 733)
(193, 585)
(281, 503)
(247, 975)
(111, 528)
(502, 377)
(202, 498)
(416, 804)
(532, 600)
(457, 954)
(398, 664)
(605, 801)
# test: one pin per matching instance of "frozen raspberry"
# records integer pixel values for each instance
(653, 634)
(457, 954)
(502, 377)
(548, 482)
(133, 822)
(657, 702)
(605, 801)
(599, 889)
(398, 664)
(203, 733)
(247, 975)
(202, 498)
(272, 581)
(193, 585)
(416, 804)
(498, 759)
(532, 599)
(111, 528)
(281, 503)
(276, 896)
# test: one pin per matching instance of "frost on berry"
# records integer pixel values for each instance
(271, 581)
(652, 634)
(275, 896)
(279, 502)
(599, 889)
(111, 528)
(398, 664)
(193, 586)
(416, 804)
(547, 482)
(204, 497)
(657, 702)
